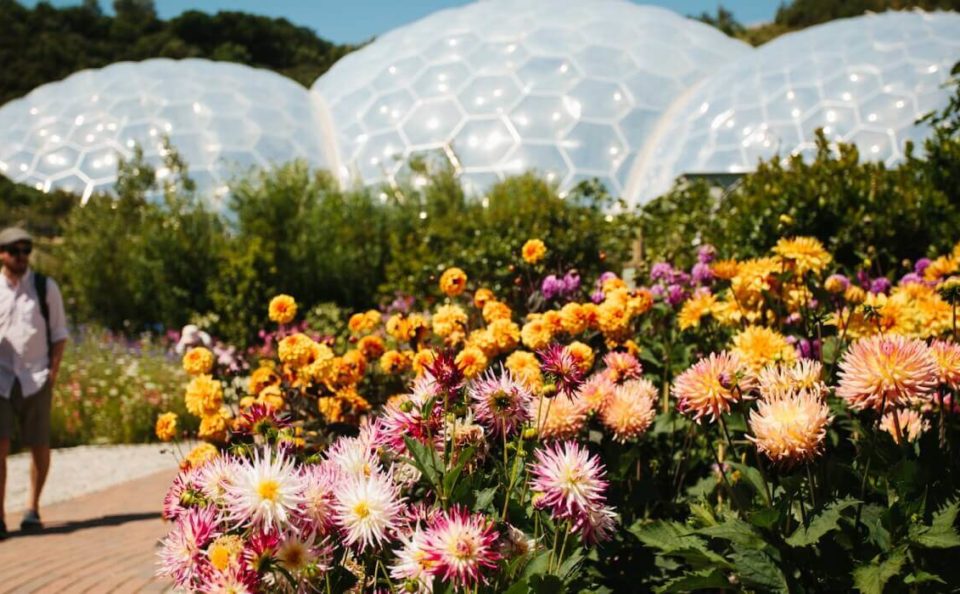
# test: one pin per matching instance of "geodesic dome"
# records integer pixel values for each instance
(864, 80)
(221, 117)
(568, 88)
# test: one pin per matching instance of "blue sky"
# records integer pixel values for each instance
(345, 21)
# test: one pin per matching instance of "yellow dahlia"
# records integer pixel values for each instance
(297, 350)
(886, 372)
(630, 409)
(261, 378)
(724, 269)
(204, 395)
(573, 319)
(757, 346)
(700, 305)
(791, 429)
(364, 322)
(372, 347)
(447, 319)
(271, 397)
(395, 362)
(198, 361)
(213, 427)
(947, 356)
(471, 361)
(166, 427)
(711, 386)
(282, 309)
(910, 423)
(941, 267)
(525, 368)
(533, 251)
(505, 334)
(481, 297)
(406, 328)
(802, 254)
(453, 281)
(496, 310)
(613, 320)
(536, 334)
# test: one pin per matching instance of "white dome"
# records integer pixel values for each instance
(864, 80)
(221, 117)
(569, 88)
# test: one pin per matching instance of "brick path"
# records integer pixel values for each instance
(102, 542)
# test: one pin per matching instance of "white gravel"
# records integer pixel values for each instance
(85, 469)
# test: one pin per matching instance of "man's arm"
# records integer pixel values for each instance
(56, 356)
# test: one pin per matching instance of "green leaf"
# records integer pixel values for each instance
(871, 578)
(484, 499)
(766, 518)
(666, 536)
(736, 531)
(538, 565)
(520, 587)
(450, 478)
(753, 477)
(425, 458)
(824, 522)
(922, 577)
(940, 534)
(707, 579)
(758, 569)
(546, 584)
(570, 564)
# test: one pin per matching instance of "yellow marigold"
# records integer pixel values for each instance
(364, 322)
(551, 318)
(558, 418)
(802, 254)
(536, 334)
(346, 406)
(941, 267)
(372, 347)
(630, 409)
(613, 284)
(590, 313)
(496, 310)
(395, 362)
(447, 319)
(166, 427)
(505, 334)
(482, 297)
(904, 424)
(483, 339)
(213, 428)
(261, 378)
(573, 319)
(533, 251)
(525, 368)
(204, 395)
(422, 359)
(198, 361)
(471, 361)
(283, 309)
(613, 320)
(297, 350)
(641, 301)
(200, 455)
(582, 354)
(791, 429)
(757, 346)
(700, 305)
(725, 269)
(453, 281)
(406, 328)
(271, 397)
(225, 551)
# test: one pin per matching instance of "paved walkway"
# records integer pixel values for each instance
(101, 542)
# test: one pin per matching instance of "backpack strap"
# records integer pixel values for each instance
(40, 284)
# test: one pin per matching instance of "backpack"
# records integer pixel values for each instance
(40, 284)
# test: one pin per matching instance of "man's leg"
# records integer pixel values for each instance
(4, 452)
(38, 474)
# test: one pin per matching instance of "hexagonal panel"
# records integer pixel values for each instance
(483, 143)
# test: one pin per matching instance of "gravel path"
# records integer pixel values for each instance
(85, 469)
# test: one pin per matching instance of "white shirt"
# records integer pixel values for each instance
(23, 333)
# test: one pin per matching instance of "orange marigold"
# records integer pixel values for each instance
(282, 309)
(533, 251)
(453, 281)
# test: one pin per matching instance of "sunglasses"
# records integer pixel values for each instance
(15, 251)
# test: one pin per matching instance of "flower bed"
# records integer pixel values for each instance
(761, 425)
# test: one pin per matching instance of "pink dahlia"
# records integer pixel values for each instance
(319, 484)
(711, 386)
(567, 479)
(947, 355)
(406, 419)
(621, 367)
(459, 546)
(183, 494)
(266, 491)
(559, 364)
(181, 552)
(500, 402)
(411, 567)
(886, 372)
(630, 409)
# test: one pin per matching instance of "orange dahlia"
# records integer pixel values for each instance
(711, 386)
(885, 372)
(790, 429)
(630, 409)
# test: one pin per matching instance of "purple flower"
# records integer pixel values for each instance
(571, 283)
(661, 271)
(706, 254)
(701, 273)
(676, 295)
(921, 265)
(551, 287)
(605, 277)
(910, 278)
(880, 285)
(597, 297)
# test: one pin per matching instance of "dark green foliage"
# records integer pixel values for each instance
(44, 44)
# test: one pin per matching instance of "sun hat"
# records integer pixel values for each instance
(12, 235)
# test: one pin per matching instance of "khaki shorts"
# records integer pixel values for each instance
(32, 414)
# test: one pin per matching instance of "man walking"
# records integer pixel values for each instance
(33, 333)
